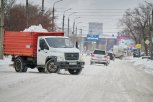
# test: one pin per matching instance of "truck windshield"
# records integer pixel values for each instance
(59, 42)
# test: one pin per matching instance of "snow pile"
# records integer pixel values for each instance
(35, 28)
(6, 60)
(146, 63)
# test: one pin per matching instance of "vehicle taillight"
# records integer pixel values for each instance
(108, 57)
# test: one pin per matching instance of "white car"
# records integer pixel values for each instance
(100, 57)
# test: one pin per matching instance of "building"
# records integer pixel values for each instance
(95, 38)
(95, 28)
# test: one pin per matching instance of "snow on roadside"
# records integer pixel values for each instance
(6, 60)
(147, 64)
(35, 28)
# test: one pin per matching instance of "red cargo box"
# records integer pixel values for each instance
(24, 43)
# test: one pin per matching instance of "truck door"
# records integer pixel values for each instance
(42, 51)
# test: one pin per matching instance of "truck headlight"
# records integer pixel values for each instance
(59, 58)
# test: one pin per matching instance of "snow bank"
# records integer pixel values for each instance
(146, 63)
(6, 60)
(35, 28)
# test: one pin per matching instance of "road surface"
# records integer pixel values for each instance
(118, 82)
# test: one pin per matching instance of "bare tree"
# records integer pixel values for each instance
(137, 23)
(16, 19)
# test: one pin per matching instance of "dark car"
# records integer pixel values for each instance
(111, 55)
(136, 53)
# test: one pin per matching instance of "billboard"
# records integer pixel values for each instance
(95, 28)
(92, 37)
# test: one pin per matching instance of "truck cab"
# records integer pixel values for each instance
(55, 53)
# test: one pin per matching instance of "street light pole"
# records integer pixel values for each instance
(64, 18)
(69, 22)
(54, 13)
(77, 26)
(74, 24)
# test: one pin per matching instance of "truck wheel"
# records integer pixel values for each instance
(51, 67)
(19, 65)
(75, 71)
(41, 70)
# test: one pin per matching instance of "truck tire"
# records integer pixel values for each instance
(51, 67)
(41, 70)
(19, 65)
(75, 71)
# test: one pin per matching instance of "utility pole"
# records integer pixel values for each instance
(53, 20)
(63, 23)
(68, 27)
(74, 25)
(69, 23)
(64, 18)
(53, 23)
(81, 48)
(76, 31)
(1, 27)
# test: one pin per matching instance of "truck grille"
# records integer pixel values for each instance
(71, 56)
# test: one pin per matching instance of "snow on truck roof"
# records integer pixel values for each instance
(35, 28)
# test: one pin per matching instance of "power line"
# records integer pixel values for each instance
(87, 9)
(96, 15)
(93, 12)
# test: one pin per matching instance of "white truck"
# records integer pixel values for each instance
(48, 52)
(118, 51)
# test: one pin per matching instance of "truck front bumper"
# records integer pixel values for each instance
(71, 65)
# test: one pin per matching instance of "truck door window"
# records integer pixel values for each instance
(43, 45)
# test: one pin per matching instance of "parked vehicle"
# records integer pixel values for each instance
(100, 57)
(47, 51)
(111, 55)
(136, 53)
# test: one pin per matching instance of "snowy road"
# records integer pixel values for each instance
(118, 82)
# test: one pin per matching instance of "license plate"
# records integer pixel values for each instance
(72, 63)
(99, 57)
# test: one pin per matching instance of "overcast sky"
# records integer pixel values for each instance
(107, 12)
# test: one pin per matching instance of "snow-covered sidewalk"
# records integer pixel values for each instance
(145, 64)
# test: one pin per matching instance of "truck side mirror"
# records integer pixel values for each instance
(76, 45)
(41, 47)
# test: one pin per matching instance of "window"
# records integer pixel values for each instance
(43, 44)
(99, 52)
(59, 42)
